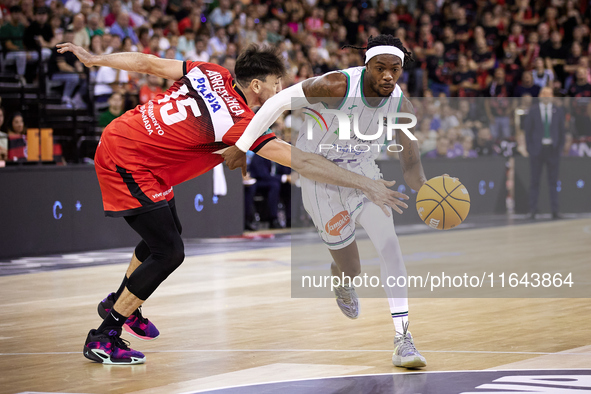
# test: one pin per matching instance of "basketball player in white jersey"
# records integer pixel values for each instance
(364, 91)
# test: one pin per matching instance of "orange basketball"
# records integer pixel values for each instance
(443, 202)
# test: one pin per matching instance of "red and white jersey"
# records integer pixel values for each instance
(174, 136)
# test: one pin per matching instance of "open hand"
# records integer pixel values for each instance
(378, 193)
(79, 52)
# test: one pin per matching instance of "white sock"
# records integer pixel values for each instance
(399, 317)
(382, 233)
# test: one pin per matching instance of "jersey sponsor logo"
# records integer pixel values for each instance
(150, 122)
(335, 225)
(208, 97)
(218, 85)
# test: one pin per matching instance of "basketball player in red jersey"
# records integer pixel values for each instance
(169, 140)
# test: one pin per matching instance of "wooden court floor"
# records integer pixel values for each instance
(229, 319)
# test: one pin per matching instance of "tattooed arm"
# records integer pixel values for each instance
(410, 157)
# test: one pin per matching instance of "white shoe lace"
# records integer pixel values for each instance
(404, 342)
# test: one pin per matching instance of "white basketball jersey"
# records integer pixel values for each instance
(357, 154)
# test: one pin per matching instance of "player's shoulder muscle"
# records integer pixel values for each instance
(329, 85)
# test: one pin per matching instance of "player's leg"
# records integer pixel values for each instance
(136, 325)
(333, 220)
(345, 267)
(535, 166)
(552, 168)
(382, 233)
(158, 229)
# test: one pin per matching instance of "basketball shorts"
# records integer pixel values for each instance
(334, 210)
(127, 191)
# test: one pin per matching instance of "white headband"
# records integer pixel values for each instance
(383, 50)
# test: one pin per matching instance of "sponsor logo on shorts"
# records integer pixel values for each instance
(337, 223)
(161, 194)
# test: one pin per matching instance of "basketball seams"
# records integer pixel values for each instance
(452, 207)
(459, 199)
(433, 210)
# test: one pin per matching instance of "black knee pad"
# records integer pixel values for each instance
(155, 269)
(142, 251)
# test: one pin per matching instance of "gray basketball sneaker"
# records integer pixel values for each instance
(347, 300)
(406, 354)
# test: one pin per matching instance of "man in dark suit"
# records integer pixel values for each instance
(544, 134)
(269, 179)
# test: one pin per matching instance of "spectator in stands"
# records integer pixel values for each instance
(81, 35)
(109, 81)
(438, 72)
(122, 28)
(468, 151)
(531, 51)
(115, 9)
(154, 47)
(17, 139)
(96, 45)
(139, 16)
(542, 76)
(500, 109)
(218, 43)
(512, 64)
(463, 80)
(93, 25)
(39, 35)
(222, 15)
(3, 137)
(115, 43)
(526, 14)
(451, 45)
(114, 111)
(199, 53)
(485, 145)
(581, 107)
(352, 24)
(186, 42)
(441, 149)
(11, 37)
(461, 26)
(482, 58)
(527, 86)
(555, 55)
(572, 64)
(66, 68)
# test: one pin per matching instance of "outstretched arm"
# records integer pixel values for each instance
(410, 157)
(128, 61)
(332, 85)
(319, 169)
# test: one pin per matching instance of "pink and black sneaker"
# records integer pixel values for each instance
(136, 325)
(109, 348)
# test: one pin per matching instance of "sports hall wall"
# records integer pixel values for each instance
(59, 209)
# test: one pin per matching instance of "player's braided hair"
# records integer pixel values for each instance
(386, 39)
(257, 62)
